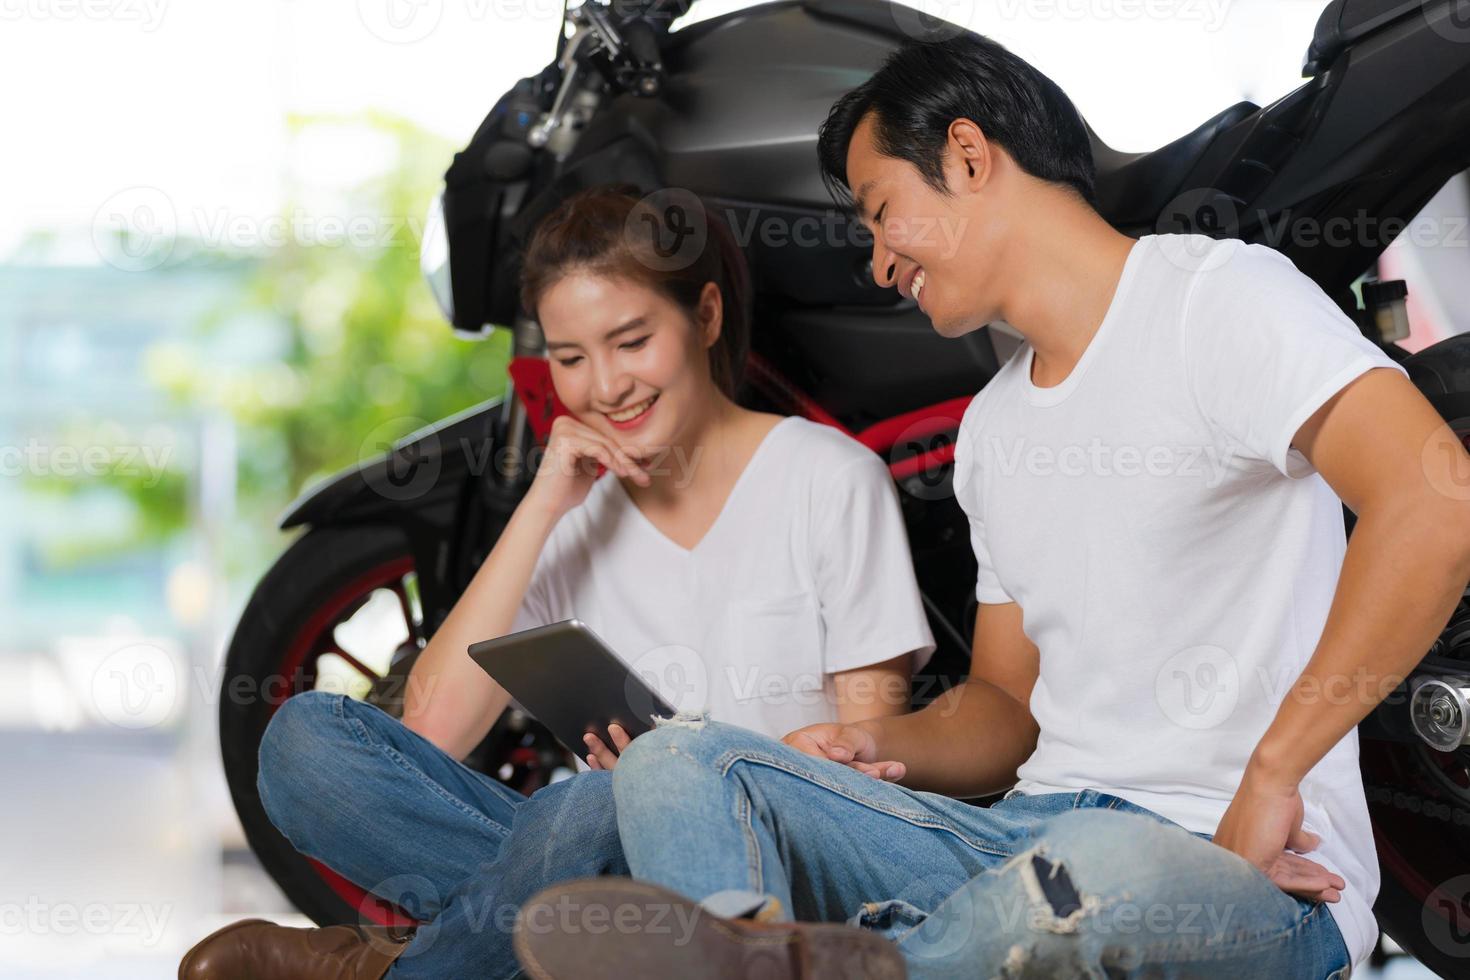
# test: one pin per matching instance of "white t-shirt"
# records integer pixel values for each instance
(805, 572)
(1173, 556)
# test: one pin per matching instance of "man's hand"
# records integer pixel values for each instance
(599, 756)
(850, 745)
(1263, 824)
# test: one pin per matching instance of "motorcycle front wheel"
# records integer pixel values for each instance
(339, 611)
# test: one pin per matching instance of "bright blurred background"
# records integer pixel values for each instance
(209, 296)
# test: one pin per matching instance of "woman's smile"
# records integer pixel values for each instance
(632, 416)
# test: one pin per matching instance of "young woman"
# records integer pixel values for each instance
(755, 567)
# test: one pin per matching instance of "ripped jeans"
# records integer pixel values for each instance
(1057, 885)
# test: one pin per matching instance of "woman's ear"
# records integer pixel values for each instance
(711, 313)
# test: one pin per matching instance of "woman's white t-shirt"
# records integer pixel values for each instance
(805, 572)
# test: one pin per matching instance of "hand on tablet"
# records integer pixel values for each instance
(599, 756)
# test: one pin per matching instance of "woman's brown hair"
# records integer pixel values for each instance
(667, 241)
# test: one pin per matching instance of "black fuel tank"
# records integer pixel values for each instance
(744, 97)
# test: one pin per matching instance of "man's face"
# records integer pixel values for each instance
(932, 248)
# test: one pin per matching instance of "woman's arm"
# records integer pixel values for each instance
(879, 690)
(450, 700)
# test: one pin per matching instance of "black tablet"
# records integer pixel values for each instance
(569, 680)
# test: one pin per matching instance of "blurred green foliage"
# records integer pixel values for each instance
(362, 355)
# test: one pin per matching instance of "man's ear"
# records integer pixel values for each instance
(711, 313)
(972, 150)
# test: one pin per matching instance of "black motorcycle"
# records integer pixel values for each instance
(727, 109)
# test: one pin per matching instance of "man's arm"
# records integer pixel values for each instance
(877, 691)
(970, 740)
(1387, 453)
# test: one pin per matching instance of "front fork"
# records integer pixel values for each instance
(519, 429)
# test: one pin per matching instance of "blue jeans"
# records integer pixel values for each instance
(382, 806)
(1079, 884)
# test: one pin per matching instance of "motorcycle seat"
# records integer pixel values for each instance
(1133, 188)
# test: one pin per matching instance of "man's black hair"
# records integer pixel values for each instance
(923, 86)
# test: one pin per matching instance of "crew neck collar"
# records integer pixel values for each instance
(1057, 393)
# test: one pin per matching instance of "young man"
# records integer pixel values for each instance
(1171, 624)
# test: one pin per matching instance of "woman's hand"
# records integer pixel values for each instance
(599, 756)
(851, 745)
(569, 465)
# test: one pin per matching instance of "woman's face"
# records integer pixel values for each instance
(626, 360)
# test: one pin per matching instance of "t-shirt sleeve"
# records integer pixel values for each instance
(864, 572)
(1264, 347)
(967, 483)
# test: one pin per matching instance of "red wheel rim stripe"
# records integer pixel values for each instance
(368, 907)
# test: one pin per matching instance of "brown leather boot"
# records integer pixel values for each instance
(258, 950)
(618, 927)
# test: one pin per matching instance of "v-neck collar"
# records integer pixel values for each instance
(730, 498)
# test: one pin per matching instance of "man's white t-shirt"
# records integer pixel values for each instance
(805, 572)
(1174, 557)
